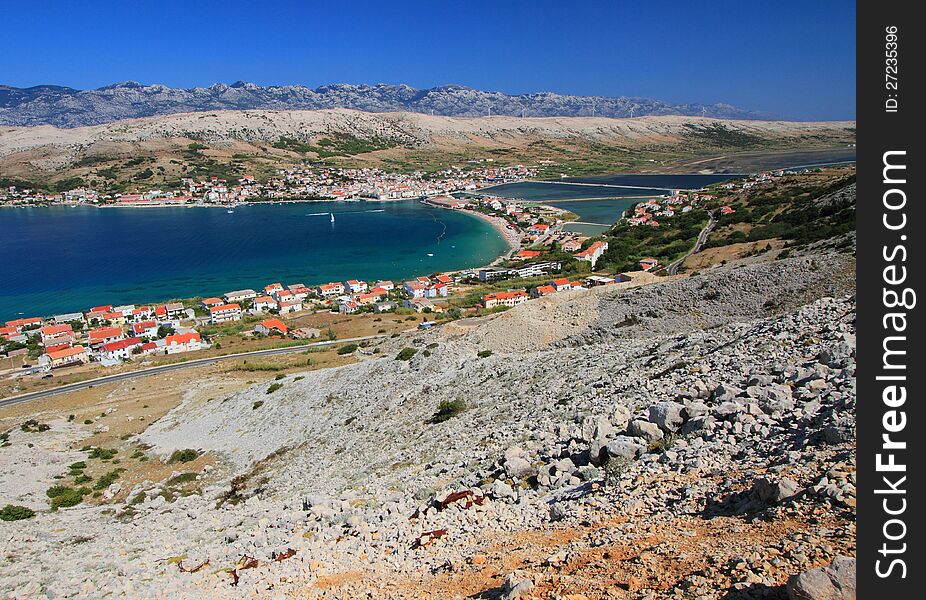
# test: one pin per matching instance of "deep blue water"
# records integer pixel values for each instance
(62, 259)
(543, 192)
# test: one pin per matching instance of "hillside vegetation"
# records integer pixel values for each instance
(156, 151)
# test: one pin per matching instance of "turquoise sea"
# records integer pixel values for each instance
(599, 201)
(62, 259)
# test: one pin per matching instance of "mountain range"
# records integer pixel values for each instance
(67, 107)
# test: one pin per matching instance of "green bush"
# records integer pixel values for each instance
(183, 456)
(274, 387)
(107, 480)
(484, 353)
(257, 405)
(11, 512)
(347, 349)
(63, 496)
(102, 453)
(447, 409)
(182, 478)
(406, 354)
(33, 426)
(56, 490)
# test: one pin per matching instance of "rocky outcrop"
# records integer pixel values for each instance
(836, 581)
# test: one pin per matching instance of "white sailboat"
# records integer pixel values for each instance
(332, 217)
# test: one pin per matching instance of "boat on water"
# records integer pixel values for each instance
(332, 217)
(230, 211)
(430, 254)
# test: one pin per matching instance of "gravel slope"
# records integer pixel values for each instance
(711, 406)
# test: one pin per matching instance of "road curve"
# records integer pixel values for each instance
(199, 362)
(672, 269)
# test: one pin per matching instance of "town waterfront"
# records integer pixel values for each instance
(61, 259)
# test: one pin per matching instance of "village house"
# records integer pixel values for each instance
(371, 297)
(105, 335)
(126, 309)
(386, 306)
(573, 245)
(512, 298)
(64, 358)
(592, 253)
(348, 306)
(437, 290)
(28, 323)
(543, 290)
(561, 284)
(648, 263)
(11, 334)
(97, 313)
(355, 287)
(415, 289)
(538, 229)
(225, 313)
(57, 334)
(142, 313)
(330, 289)
(240, 296)
(290, 306)
(209, 303)
(184, 342)
(526, 254)
(145, 329)
(421, 305)
(385, 284)
(284, 296)
(174, 309)
(273, 288)
(68, 318)
(114, 353)
(271, 326)
(299, 292)
(115, 318)
(156, 347)
(263, 304)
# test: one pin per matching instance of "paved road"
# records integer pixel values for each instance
(702, 239)
(199, 362)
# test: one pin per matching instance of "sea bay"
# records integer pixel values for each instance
(61, 259)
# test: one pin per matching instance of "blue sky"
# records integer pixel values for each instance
(793, 59)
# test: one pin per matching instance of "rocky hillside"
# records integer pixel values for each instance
(692, 438)
(67, 107)
(410, 140)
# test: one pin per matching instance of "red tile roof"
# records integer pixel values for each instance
(275, 324)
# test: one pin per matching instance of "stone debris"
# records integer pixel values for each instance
(704, 422)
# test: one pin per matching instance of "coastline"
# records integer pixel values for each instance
(511, 238)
